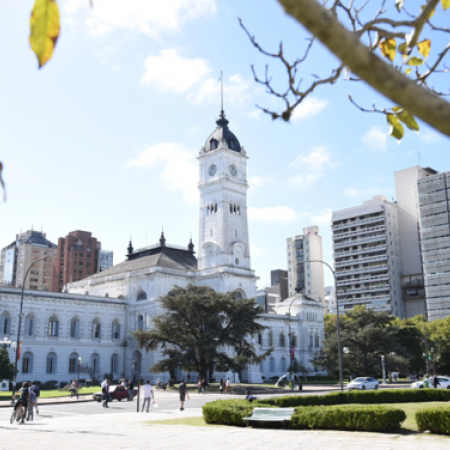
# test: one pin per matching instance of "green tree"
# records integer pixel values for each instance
(198, 328)
(368, 335)
(6, 368)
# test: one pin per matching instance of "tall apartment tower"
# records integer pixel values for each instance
(17, 257)
(412, 279)
(305, 275)
(79, 256)
(367, 256)
(279, 278)
(434, 220)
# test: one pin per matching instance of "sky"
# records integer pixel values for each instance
(105, 137)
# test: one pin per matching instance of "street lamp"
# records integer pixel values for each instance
(383, 368)
(20, 320)
(6, 343)
(341, 370)
(291, 347)
(136, 365)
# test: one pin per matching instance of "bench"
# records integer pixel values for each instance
(270, 415)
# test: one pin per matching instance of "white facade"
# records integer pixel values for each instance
(95, 318)
(367, 256)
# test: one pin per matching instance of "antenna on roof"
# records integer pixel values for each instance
(221, 91)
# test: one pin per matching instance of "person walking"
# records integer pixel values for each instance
(221, 386)
(200, 385)
(436, 381)
(37, 392)
(204, 384)
(426, 382)
(148, 395)
(183, 391)
(130, 390)
(31, 403)
(105, 391)
(227, 386)
(74, 388)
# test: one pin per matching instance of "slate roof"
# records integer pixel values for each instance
(166, 257)
(36, 237)
(223, 134)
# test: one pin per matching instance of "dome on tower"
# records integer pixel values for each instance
(222, 134)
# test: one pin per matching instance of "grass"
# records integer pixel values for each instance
(6, 395)
(191, 421)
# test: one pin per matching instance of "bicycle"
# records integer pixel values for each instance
(18, 413)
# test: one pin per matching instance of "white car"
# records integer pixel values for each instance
(363, 383)
(444, 383)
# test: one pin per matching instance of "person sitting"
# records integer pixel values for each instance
(249, 397)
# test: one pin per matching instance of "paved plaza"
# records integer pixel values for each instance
(89, 426)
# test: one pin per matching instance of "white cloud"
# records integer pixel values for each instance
(311, 106)
(257, 182)
(272, 214)
(352, 192)
(430, 137)
(323, 218)
(257, 251)
(179, 171)
(151, 17)
(255, 114)
(376, 139)
(172, 72)
(311, 166)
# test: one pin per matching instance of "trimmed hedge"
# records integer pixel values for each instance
(354, 417)
(435, 419)
(350, 418)
(378, 396)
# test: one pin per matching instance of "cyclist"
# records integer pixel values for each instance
(24, 393)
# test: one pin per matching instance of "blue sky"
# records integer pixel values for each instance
(105, 137)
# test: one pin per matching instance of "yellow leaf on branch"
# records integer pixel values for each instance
(396, 129)
(44, 29)
(445, 4)
(424, 47)
(388, 47)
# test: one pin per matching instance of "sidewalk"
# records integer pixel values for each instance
(55, 400)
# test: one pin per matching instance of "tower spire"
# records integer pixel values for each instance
(221, 92)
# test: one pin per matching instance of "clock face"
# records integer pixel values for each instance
(212, 170)
(233, 170)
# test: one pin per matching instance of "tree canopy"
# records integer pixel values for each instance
(199, 327)
(6, 368)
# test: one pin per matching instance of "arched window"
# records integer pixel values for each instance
(95, 363)
(293, 340)
(115, 329)
(73, 363)
(283, 364)
(75, 327)
(30, 324)
(5, 323)
(51, 363)
(115, 364)
(270, 339)
(311, 341)
(136, 361)
(282, 340)
(316, 340)
(96, 329)
(141, 296)
(238, 295)
(53, 325)
(213, 144)
(272, 364)
(121, 296)
(27, 362)
(259, 338)
(140, 322)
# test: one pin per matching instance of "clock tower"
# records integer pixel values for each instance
(223, 235)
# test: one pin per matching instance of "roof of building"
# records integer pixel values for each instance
(35, 237)
(222, 135)
(165, 257)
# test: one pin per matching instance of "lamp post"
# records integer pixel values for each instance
(20, 320)
(6, 343)
(291, 347)
(383, 369)
(136, 365)
(341, 370)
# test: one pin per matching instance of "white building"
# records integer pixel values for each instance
(302, 274)
(367, 256)
(95, 318)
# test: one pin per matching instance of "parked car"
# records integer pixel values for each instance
(444, 383)
(116, 392)
(363, 383)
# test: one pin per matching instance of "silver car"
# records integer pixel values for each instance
(363, 383)
(444, 383)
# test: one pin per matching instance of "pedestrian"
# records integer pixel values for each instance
(189, 377)
(31, 403)
(37, 392)
(200, 385)
(74, 388)
(204, 384)
(130, 390)
(249, 397)
(227, 386)
(183, 391)
(390, 377)
(148, 395)
(221, 386)
(436, 381)
(426, 382)
(105, 394)
(395, 376)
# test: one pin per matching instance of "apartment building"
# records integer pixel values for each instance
(308, 276)
(367, 256)
(434, 220)
(16, 258)
(79, 256)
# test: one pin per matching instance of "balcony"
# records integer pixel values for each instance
(363, 280)
(358, 232)
(379, 268)
(357, 222)
(360, 250)
(360, 300)
(374, 288)
(350, 262)
(362, 240)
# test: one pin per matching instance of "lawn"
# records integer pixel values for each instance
(6, 395)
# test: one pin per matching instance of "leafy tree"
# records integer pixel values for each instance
(385, 44)
(6, 368)
(197, 328)
(368, 335)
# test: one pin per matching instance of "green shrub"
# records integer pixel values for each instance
(49, 385)
(435, 419)
(227, 412)
(351, 418)
(320, 378)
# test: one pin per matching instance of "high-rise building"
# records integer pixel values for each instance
(434, 219)
(79, 256)
(330, 300)
(17, 257)
(307, 276)
(279, 278)
(367, 256)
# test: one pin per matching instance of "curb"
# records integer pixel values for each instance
(7, 404)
